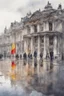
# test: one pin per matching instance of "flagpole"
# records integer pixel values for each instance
(13, 53)
(15, 45)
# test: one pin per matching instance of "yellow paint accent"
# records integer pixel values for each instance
(13, 46)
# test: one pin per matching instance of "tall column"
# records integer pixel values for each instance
(47, 46)
(38, 58)
(26, 50)
(53, 26)
(32, 46)
(59, 47)
(25, 45)
(38, 47)
(32, 50)
(55, 46)
(44, 53)
(22, 48)
(48, 53)
(32, 29)
(38, 27)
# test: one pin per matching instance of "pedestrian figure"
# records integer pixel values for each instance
(41, 55)
(25, 56)
(35, 54)
(17, 56)
(51, 56)
(20, 56)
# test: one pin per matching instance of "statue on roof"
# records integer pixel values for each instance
(5, 29)
(60, 6)
(29, 14)
(11, 24)
(49, 3)
(48, 6)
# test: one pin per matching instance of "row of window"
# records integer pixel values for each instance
(36, 39)
(35, 28)
(42, 40)
(41, 27)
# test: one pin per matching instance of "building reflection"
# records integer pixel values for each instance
(43, 76)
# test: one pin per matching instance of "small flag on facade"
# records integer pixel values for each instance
(13, 50)
(13, 65)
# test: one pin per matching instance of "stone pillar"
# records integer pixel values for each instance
(38, 27)
(53, 26)
(26, 49)
(48, 53)
(25, 45)
(60, 50)
(55, 46)
(32, 46)
(43, 26)
(47, 26)
(22, 48)
(32, 29)
(38, 57)
(44, 53)
(38, 47)
(47, 40)
(59, 47)
(32, 51)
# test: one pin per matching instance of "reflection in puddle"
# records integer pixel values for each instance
(26, 78)
(13, 76)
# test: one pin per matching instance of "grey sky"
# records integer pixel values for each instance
(11, 10)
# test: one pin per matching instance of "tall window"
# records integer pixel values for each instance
(41, 27)
(50, 26)
(51, 40)
(28, 29)
(42, 39)
(35, 28)
(35, 39)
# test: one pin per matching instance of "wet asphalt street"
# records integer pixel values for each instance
(24, 80)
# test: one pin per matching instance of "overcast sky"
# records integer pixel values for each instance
(11, 10)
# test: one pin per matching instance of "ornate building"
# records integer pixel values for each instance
(41, 32)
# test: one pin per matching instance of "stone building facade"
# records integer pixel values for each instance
(41, 32)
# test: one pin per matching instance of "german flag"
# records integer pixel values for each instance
(13, 65)
(13, 49)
